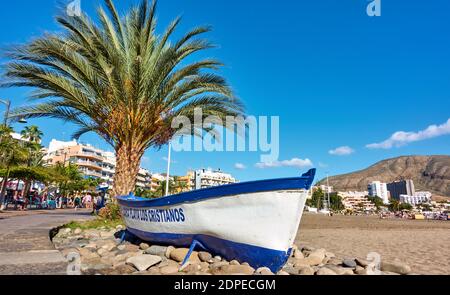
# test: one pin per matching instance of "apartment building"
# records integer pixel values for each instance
(204, 178)
(92, 162)
(356, 200)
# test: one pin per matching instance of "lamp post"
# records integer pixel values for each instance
(8, 109)
(168, 169)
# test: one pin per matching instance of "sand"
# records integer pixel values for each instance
(424, 245)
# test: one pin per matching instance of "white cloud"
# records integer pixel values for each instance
(402, 138)
(295, 162)
(240, 166)
(342, 151)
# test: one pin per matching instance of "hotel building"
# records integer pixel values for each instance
(379, 189)
(356, 200)
(403, 187)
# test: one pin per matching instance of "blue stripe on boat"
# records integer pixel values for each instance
(255, 256)
(303, 182)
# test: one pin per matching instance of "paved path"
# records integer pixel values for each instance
(25, 246)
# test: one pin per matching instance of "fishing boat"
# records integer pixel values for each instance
(254, 222)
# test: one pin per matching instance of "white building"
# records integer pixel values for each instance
(416, 199)
(379, 189)
(326, 189)
(208, 178)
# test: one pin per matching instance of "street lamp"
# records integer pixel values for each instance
(8, 108)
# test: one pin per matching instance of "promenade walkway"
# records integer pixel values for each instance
(25, 246)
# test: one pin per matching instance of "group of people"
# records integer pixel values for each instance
(56, 201)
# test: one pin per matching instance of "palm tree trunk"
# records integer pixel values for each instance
(127, 169)
(3, 191)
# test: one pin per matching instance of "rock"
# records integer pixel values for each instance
(204, 256)
(109, 246)
(144, 246)
(235, 269)
(191, 268)
(389, 273)
(121, 247)
(156, 250)
(298, 254)
(218, 258)
(87, 254)
(265, 271)
(334, 261)
(119, 227)
(143, 262)
(235, 262)
(330, 255)
(349, 263)
(306, 271)
(283, 273)
(78, 231)
(217, 265)
(66, 231)
(324, 271)
(131, 248)
(102, 252)
(180, 254)
(291, 270)
(361, 271)
(125, 269)
(359, 268)
(340, 270)
(396, 267)
(306, 248)
(315, 258)
(169, 251)
(167, 270)
(361, 262)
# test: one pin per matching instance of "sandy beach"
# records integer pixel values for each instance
(424, 245)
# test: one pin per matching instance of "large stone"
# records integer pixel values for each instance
(334, 261)
(362, 262)
(156, 250)
(264, 271)
(205, 256)
(340, 270)
(291, 270)
(235, 262)
(315, 258)
(180, 254)
(87, 254)
(191, 268)
(283, 273)
(144, 246)
(298, 254)
(349, 263)
(143, 262)
(396, 266)
(169, 251)
(306, 271)
(325, 271)
(78, 231)
(235, 270)
(168, 270)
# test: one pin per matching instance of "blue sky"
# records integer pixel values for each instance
(335, 76)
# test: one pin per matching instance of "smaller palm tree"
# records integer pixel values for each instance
(11, 154)
(32, 133)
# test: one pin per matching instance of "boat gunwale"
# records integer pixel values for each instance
(292, 183)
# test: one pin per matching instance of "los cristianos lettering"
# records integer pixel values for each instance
(155, 215)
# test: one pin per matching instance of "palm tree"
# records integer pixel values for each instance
(32, 133)
(122, 80)
(11, 154)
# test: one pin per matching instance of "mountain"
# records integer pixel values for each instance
(429, 173)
